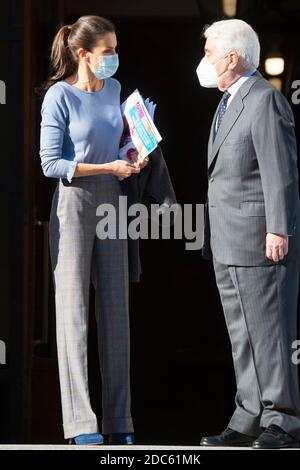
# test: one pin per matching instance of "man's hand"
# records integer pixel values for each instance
(277, 246)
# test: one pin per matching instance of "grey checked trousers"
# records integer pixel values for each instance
(79, 256)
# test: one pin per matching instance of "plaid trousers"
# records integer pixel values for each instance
(77, 257)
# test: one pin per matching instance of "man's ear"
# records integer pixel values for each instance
(233, 60)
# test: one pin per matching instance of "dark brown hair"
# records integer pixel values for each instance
(84, 33)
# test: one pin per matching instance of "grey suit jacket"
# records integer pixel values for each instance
(253, 177)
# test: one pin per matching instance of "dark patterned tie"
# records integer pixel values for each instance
(222, 110)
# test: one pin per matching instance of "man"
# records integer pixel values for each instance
(252, 235)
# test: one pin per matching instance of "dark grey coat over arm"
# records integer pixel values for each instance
(152, 185)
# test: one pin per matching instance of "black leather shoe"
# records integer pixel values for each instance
(228, 438)
(274, 437)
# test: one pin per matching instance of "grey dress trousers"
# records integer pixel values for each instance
(78, 256)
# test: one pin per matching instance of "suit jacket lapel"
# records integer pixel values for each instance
(211, 135)
(231, 115)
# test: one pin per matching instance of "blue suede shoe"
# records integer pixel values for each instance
(89, 439)
(121, 439)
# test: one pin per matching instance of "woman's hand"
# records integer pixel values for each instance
(123, 169)
(137, 158)
(142, 162)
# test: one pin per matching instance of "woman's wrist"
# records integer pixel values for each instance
(108, 168)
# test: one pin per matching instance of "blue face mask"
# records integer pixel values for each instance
(108, 65)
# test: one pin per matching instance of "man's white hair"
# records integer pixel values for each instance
(236, 35)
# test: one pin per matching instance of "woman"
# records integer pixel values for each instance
(81, 129)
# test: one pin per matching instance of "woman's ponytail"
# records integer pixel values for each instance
(63, 62)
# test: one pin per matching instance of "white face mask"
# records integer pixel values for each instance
(207, 73)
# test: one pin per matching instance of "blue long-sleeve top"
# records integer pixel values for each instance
(79, 126)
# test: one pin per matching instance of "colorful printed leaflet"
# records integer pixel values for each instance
(140, 133)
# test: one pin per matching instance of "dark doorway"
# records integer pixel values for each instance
(173, 360)
(182, 376)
